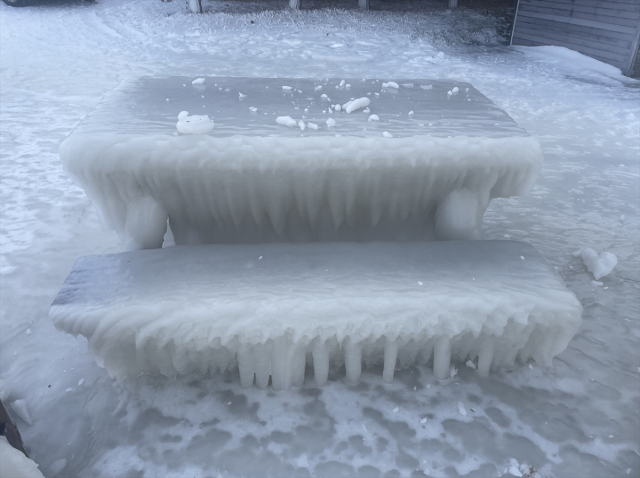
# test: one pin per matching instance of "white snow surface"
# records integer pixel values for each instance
(186, 310)
(13, 463)
(60, 58)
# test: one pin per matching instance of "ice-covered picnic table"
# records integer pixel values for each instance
(297, 160)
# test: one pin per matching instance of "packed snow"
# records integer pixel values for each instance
(60, 58)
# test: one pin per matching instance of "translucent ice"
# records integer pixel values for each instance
(184, 310)
(252, 180)
(356, 104)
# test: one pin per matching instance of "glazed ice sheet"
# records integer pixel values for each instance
(426, 169)
(269, 309)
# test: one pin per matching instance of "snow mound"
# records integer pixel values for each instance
(599, 265)
(331, 304)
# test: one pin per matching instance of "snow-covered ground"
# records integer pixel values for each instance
(579, 418)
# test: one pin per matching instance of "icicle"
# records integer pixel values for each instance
(441, 357)
(486, 355)
(280, 366)
(299, 361)
(262, 365)
(320, 362)
(246, 365)
(390, 356)
(352, 361)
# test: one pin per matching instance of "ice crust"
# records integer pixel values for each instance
(251, 180)
(270, 309)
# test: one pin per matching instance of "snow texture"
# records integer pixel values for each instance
(186, 310)
(250, 180)
(14, 464)
(599, 265)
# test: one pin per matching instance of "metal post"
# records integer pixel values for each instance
(295, 4)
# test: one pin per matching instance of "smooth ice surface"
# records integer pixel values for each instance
(59, 58)
(202, 309)
(264, 177)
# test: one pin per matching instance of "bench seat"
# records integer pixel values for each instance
(270, 309)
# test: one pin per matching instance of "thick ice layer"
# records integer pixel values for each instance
(253, 179)
(270, 309)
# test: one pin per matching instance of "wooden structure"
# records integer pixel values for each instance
(607, 30)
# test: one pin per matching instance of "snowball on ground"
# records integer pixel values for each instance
(599, 265)
(344, 303)
(251, 180)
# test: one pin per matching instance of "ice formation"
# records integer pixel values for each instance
(194, 124)
(185, 310)
(599, 265)
(250, 180)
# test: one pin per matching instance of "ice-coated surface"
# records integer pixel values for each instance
(262, 176)
(579, 417)
(185, 310)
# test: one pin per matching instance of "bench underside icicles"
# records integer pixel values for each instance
(274, 311)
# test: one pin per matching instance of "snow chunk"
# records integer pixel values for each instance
(194, 124)
(470, 364)
(197, 81)
(461, 410)
(424, 420)
(390, 84)
(301, 125)
(241, 96)
(373, 118)
(599, 265)
(317, 88)
(253, 109)
(286, 121)
(337, 107)
(287, 88)
(386, 134)
(331, 122)
(312, 125)
(342, 83)
(356, 104)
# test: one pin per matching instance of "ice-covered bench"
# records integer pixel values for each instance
(421, 161)
(270, 309)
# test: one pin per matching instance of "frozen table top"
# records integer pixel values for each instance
(426, 169)
(186, 309)
(147, 106)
